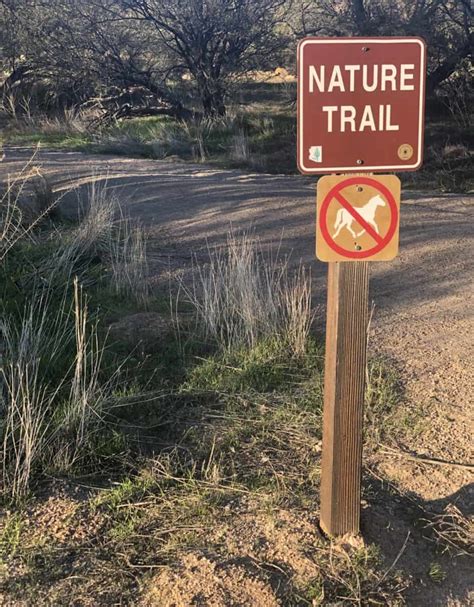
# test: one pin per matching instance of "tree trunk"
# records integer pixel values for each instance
(174, 107)
(212, 101)
(361, 18)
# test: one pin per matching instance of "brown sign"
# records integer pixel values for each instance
(360, 104)
(357, 218)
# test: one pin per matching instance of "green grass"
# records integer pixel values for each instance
(59, 140)
(234, 429)
(127, 490)
(10, 535)
(265, 368)
(347, 579)
(184, 387)
(437, 573)
(383, 395)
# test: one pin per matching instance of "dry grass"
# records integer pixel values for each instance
(26, 117)
(129, 262)
(453, 531)
(81, 417)
(105, 234)
(90, 240)
(238, 442)
(29, 397)
(49, 421)
(18, 218)
(244, 295)
(71, 121)
(51, 356)
(94, 232)
(240, 147)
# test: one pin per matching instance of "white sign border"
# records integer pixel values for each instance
(359, 168)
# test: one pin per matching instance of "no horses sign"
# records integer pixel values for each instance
(360, 104)
(358, 218)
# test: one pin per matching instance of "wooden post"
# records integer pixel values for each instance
(344, 386)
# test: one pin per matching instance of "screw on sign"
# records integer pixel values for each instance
(357, 218)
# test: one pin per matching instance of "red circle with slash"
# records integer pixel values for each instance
(335, 194)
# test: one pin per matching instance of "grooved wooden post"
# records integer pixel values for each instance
(344, 383)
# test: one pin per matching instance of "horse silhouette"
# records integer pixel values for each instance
(344, 219)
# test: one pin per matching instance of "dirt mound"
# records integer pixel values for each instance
(261, 548)
(201, 581)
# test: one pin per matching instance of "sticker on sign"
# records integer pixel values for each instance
(361, 101)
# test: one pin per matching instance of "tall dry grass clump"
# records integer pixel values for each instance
(28, 396)
(105, 234)
(244, 294)
(21, 213)
(26, 117)
(92, 236)
(53, 398)
(129, 261)
(80, 419)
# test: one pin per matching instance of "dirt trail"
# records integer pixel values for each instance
(423, 299)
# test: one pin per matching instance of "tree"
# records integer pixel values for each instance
(446, 25)
(452, 40)
(214, 40)
(77, 53)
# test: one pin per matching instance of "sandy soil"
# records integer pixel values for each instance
(423, 304)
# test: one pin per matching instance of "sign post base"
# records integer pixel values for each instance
(344, 387)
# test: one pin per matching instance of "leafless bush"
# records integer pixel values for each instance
(456, 94)
(8, 105)
(243, 295)
(16, 106)
(458, 151)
